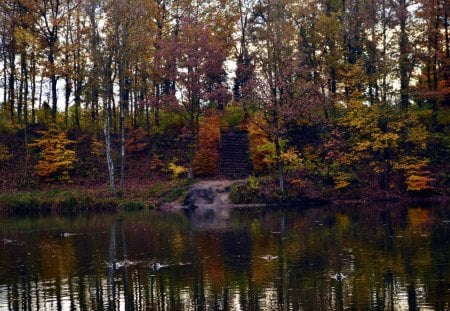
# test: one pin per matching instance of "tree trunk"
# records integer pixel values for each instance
(78, 86)
(122, 145)
(123, 98)
(404, 63)
(25, 114)
(27, 154)
(107, 133)
(280, 165)
(77, 99)
(25, 94)
(192, 150)
(12, 80)
(157, 104)
(95, 98)
(33, 87)
(68, 92)
(23, 64)
(53, 81)
(447, 40)
(5, 77)
(383, 55)
(108, 97)
(436, 50)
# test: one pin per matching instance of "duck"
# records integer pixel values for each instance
(156, 266)
(269, 257)
(119, 264)
(66, 234)
(339, 276)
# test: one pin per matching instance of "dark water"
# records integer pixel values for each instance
(393, 258)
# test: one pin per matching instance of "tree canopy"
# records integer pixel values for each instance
(354, 91)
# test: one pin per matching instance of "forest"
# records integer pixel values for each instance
(340, 98)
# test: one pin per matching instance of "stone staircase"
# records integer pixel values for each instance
(234, 160)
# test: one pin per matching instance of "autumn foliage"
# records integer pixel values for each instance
(340, 95)
(259, 142)
(56, 160)
(136, 141)
(206, 157)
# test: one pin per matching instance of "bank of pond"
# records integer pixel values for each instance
(179, 193)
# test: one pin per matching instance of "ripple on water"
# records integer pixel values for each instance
(281, 260)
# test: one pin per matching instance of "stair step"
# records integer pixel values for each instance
(234, 154)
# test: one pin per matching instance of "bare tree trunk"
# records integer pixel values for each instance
(40, 92)
(25, 93)
(33, 87)
(5, 77)
(53, 81)
(191, 150)
(108, 98)
(383, 55)
(77, 99)
(68, 92)
(124, 91)
(67, 74)
(122, 145)
(404, 55)
(23, 64)
(25, 114)
(436, 50)
(280, 165)
(78, 80)
(123, 98)
(12, 80)
(107, 132)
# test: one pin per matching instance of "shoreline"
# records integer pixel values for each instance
(166, 195)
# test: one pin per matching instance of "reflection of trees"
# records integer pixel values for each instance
(394, 258)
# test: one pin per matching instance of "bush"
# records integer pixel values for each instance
(133, 206)
(234, 116)
(245, 193)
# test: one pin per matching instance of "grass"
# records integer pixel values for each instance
(83, 200)
(168, 191)
(54, 201)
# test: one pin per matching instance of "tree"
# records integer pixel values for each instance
(433, 87)
(206, 156)
(102, 70)
(244, 59)
(56, 160)
(199, 60)
(382, 140)
(51, 15)
(406, 62)
(284, 92)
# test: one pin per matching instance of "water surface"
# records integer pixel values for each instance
(392, 257)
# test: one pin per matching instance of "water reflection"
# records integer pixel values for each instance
(392, 257)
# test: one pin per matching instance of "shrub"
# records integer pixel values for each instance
(133, 206)
(234, 116)
(246, 193)
(176, 170)
(206, 156)
(56, 160)
(5, 154)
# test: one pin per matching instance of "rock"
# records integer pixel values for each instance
(199, 196)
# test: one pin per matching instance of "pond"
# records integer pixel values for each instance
(391, 257)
